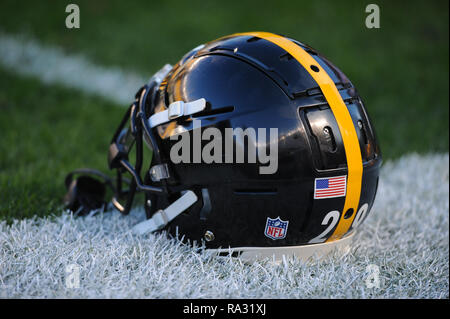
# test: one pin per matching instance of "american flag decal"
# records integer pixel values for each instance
(330, 187)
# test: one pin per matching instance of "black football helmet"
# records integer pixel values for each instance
(321, 180)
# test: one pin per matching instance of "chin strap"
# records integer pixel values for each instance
(177, 109)
(87, 194)
(162, 217)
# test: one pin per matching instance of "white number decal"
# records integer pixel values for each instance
(362, 212)
(322, 237)
(334, 215)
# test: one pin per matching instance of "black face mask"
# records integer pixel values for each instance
(87, 192)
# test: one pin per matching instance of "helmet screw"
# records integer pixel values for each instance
(152, 173)
(209, 236)
(149, 203)
(360, 124)
(326, 130)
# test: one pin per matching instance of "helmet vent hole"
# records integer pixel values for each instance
(209, 112)
(314, 68)
(348, 213)
(286, 56)
(253, 39)
(255, 191)
(363, 131)
(329, 138)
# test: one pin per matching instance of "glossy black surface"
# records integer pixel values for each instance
(250, 82)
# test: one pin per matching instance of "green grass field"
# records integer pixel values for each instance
(401, 70)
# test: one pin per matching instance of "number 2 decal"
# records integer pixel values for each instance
(334, 216)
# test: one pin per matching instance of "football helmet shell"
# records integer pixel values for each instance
(328, 156)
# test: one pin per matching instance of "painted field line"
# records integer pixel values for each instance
(52, 65)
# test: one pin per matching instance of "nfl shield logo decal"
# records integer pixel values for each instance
(276, 228)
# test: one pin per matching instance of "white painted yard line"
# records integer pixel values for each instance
(53, 66)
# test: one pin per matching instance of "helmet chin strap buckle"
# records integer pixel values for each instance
(161, 218)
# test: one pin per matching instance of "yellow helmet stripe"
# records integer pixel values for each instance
(343, 118)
